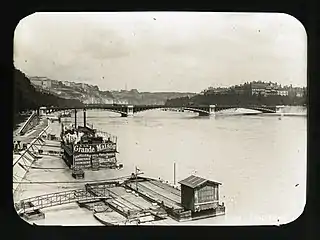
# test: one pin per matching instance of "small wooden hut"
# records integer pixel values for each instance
(198, 194)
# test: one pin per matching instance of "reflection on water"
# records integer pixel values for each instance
(259, 159)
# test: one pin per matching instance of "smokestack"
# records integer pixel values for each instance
(84, 118)
(75, 118)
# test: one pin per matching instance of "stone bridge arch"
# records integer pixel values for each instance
(262, 109)
(121, 111)
(202, 110)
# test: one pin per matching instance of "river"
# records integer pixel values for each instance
(259, 159)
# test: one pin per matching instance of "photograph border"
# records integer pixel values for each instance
(300, 228)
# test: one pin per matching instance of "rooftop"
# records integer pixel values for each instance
(195, 181)
(259, 85)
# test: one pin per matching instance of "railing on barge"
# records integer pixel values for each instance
(103, 134)
(106, 135)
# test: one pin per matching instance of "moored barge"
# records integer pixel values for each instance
(141, 200)
(87, 148)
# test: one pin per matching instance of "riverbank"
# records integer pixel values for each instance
(50, 174)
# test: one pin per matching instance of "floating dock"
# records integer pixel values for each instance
(126, 200)
(132, 201)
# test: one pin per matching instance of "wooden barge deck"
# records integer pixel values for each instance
(120, 203)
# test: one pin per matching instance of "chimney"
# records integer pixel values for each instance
(84, 118)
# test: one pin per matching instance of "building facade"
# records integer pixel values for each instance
(46, 84)
(66, 83)
(258, 88)
(282, 92)
(198, 194)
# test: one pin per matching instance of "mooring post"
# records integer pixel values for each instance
(130, 110)
(279, 109)
(212, 109)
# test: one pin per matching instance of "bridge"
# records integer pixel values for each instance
(91, 192)
(98, 191)
(130, 110)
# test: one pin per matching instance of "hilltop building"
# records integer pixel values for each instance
(258, 88)
(282, 92)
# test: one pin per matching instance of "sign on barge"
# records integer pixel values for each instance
(87, 148)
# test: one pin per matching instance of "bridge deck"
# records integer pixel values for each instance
(54, 199)
(201, 109)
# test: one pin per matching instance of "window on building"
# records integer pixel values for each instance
(206, 194)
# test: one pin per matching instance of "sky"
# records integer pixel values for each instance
(162, 51)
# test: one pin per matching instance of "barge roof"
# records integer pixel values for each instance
(195, 181)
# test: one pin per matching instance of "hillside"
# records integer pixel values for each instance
(26, 97)
(255, 93)
(70, 90)
(91, 94)
(147, 98)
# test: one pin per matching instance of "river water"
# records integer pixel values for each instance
(259, 159)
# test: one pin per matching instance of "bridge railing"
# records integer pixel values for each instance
(54, 199)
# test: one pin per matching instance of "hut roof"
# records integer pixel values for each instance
(195, 181)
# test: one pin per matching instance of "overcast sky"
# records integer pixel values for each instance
(162, 51)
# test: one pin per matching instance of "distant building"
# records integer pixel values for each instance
(282, 92)
(271, 89)
(258, 88)
(85, 86)
(239, 90)
(36, 82)
(108, 101)
(120, 101)
(66, 83)
(219, 90)
(79, 85)
(299, 92)
(46, 84)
